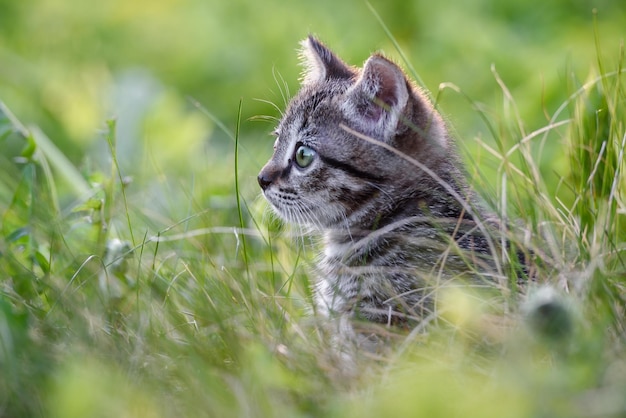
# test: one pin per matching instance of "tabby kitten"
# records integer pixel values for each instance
(363, 157)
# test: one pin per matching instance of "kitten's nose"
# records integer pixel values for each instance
(267, 176)
(264, 182)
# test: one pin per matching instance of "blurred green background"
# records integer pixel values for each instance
(200, 323)
(69, 65)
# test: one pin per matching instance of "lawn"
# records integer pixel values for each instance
(142, 274)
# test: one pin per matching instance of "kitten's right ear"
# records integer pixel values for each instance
(378, 97)
(320, 63)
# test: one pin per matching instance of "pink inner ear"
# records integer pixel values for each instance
(385, 99)
(383, 79)
(388, 88)
(375, 109)
(387, 95)
(380, 93)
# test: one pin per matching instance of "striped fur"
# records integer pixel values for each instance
(384, 186)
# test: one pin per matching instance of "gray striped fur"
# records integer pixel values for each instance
(385, 188)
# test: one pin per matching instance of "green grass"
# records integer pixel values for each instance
(173, 293)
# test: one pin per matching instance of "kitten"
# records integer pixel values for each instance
(363, 157)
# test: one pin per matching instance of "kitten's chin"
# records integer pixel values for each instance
(295, 211)
(305, 219)
(296, 218)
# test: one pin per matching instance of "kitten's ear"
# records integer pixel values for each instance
(320, 63)
(379, 96)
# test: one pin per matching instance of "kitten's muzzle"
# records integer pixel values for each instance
(268, 175)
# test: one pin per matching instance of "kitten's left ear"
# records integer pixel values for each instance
(320, 64)
(379, 96)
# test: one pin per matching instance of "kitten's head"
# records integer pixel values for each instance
(322, 174)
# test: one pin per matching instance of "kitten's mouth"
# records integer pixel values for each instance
(290, 208)
(286, 207)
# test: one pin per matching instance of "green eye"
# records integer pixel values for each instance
(304, 156)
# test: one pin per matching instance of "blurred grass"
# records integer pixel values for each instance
(67, 66)
(141, 276)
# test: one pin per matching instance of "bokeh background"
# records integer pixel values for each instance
(134, 282)
(171, 72)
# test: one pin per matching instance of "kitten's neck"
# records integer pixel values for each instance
(427, 201)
